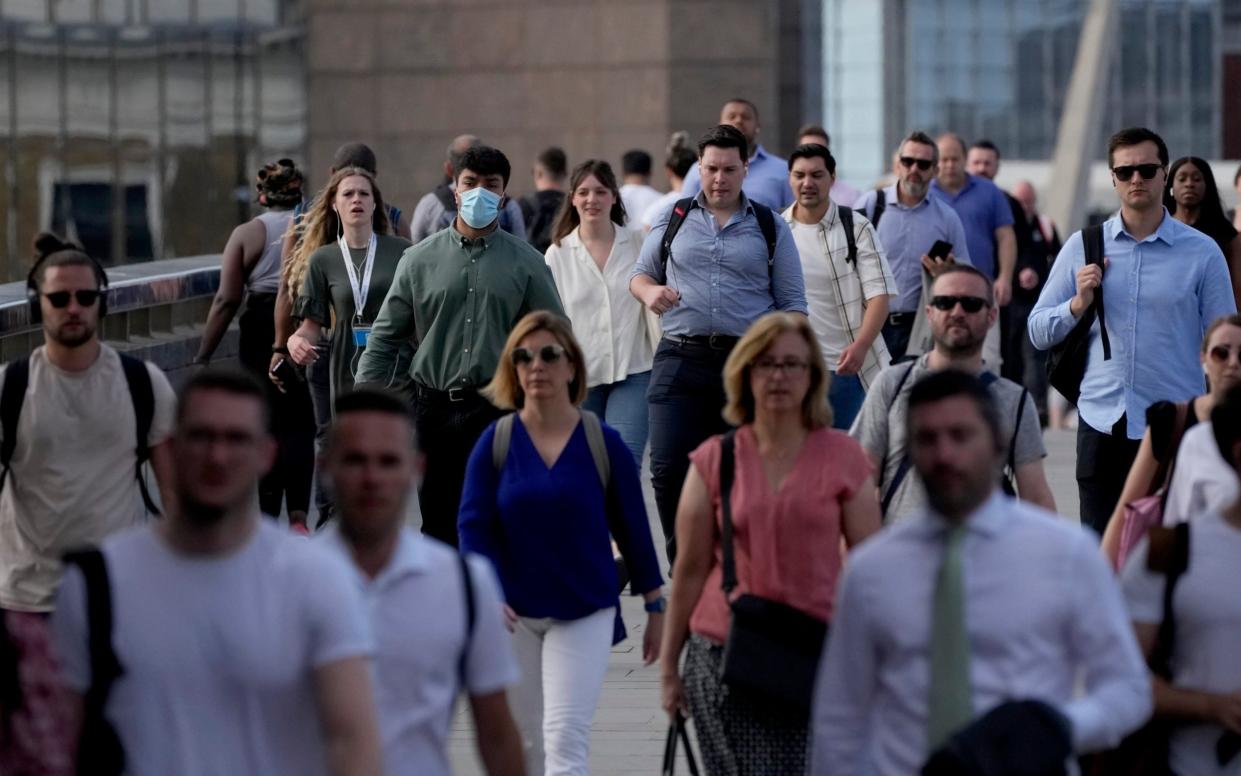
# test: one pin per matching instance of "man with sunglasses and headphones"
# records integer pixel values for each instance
(70, 441)
(961, 310)
(1164, 282)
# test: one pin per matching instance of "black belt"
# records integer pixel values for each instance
(901, 319)
(713, 341)
(459, 394)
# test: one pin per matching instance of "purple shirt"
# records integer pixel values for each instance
(983, 208)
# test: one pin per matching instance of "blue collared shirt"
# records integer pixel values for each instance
(983, 208)
(767, 181)
(907, 233)
(722, 273)
(1159, 296)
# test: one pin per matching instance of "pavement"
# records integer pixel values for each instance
(627, 737)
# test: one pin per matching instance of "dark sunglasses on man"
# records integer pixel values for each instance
(60, 299)
(970, 304)
(548, 354)
(923, 164)
(1125, 171)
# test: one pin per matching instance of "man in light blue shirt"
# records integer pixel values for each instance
(720, 277)
(909, 222)
(1165, 282)
(978, 604)
(767, 175)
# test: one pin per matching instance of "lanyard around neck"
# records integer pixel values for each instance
(363, 289)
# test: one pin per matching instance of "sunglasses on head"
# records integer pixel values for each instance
(1125, 171)
(970, 304)
(923, 164)
(548, 354)
(1221, 353)
(60, 299)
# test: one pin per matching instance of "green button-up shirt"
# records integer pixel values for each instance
(457, 299)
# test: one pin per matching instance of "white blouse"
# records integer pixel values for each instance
(614, 329)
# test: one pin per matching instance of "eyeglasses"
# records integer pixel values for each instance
(791, 368)
(923, 164)
(1221, 353)
(970, 304)
(60, 299)
(1125, 172)
(548, 354)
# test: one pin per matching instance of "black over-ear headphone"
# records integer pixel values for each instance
(32, 283)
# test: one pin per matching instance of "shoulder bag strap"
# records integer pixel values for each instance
(727, 467)
(846, 221)
(598, 446)
(767, 224)
(1178, 433)
(500, 441)
(903, 469)
(142, 394)
(1168, 553)
(1092, 243)
(679, 212)
(1012, 443)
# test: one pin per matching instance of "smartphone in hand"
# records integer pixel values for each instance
(940, 250)
(285, 372)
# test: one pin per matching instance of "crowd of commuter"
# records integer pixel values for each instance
(838, 398)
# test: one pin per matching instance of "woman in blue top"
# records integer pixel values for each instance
(543, 518)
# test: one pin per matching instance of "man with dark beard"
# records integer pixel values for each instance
(70, 432)
(961, 309)
(243, 648)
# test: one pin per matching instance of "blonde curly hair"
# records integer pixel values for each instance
(319, 226)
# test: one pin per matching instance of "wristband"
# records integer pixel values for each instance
(658, 606)
(281, 349)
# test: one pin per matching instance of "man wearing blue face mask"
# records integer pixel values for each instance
(456, 295)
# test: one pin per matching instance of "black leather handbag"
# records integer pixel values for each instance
(1066, 362)
(772, 652)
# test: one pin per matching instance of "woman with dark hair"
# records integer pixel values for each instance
(1192, 198)
(679, 159)
(591, 257)
(342, 269)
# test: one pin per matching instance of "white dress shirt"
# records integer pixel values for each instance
(614, 329)
(416, 608)
(1042, 610)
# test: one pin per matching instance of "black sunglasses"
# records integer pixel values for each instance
(1125, 172)
(60, 299)
(970, 304)
(548, 354)
(923, 164)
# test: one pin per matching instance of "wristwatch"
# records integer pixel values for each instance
(658, 606)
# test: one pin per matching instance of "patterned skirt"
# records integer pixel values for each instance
(737, 735)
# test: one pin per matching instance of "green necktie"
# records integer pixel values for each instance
(950, 707)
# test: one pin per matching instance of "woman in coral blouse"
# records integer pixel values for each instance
(799, 487)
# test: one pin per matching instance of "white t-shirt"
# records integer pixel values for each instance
(1203, 480)
(637, 197)
(822, 299)
(218, 653)
(657, 208)
(417, 613)
(1208, 629)
(72, 482)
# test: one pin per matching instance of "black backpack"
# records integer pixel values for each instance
(1066, 362)
(766, 222)
(881, 202)
(17, 379)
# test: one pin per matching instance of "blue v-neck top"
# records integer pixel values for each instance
(546, 530)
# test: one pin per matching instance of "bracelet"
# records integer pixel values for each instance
(658, 606)
(281, 349)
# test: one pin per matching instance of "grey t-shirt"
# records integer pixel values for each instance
(880, 428)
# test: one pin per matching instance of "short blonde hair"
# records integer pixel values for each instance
(504, 390)
(740, 407)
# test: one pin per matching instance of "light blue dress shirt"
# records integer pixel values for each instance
(1042, 609)
(767, 181)
(1159, 296)
(722, 273)
(982, 208)
(909, 232)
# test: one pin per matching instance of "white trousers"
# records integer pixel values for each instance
(563, 663)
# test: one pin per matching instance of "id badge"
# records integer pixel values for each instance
(360, 335)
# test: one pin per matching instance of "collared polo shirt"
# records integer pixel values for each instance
(766, 181)
(983, 208)
(416, 609)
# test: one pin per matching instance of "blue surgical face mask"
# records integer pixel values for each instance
(479, 207)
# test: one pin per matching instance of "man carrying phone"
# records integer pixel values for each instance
(1164, 282)
(909, 222)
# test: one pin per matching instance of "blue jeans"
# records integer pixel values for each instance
(846, 396)
(623, 407)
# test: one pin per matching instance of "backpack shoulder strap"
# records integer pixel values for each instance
(881, 202)
(142, 394)
(16, 378)
(903, 469)
(501, 440)
(1012, 443)
(679, 211)
(727, 467)
(767, 223)
(1092, 245)
(1168, 554)
(471, 615)
(394, 216)
(444, 194)
(598, 446)
(846, 221)
(105, 667)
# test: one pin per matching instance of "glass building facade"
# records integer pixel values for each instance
(1000, 69)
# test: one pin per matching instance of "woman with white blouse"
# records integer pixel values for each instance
(591, 256)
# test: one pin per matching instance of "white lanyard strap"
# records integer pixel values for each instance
(360, 291)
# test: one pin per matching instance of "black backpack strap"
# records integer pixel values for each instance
(471, 615)
(727, 467)
(679, 212)
(100, 749)
(881, 202)
(767, 223)
(1012, 443)
(16, 378)
(846, 221)
(1167, 554)
(903, 469)
(443, 193)
(142, 393)
(1092, 244)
